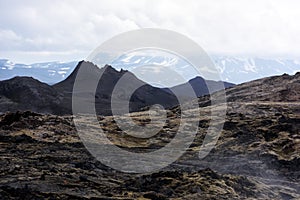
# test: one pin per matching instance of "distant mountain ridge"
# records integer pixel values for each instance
(48, 72)
(234, 69)
(238, 69)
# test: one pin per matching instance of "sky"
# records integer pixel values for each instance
(55, 30)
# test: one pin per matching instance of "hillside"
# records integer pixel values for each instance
(257, 155)
(26, 93)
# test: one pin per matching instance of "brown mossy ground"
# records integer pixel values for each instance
(256, 157)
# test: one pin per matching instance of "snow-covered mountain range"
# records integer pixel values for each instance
(232, 69)
(244, 69)
(48, 72)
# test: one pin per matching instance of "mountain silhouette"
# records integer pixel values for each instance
(26, 93)
(200, 87)
(144, 96)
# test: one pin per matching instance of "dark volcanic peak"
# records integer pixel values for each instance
(23, 80)
(146, 95)
(27, 93)
(90, 71)
(200, 87)
(69, 81)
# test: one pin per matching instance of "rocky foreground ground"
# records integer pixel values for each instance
(256, 157)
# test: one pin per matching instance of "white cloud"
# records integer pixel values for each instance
(260, 28)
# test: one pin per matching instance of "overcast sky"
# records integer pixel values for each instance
(33, 31)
